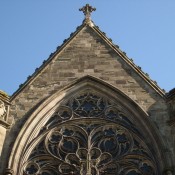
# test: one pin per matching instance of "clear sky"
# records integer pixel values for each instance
(32, 29)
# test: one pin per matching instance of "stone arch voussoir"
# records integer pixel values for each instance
(40, 116)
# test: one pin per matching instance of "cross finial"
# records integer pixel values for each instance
(87, 12)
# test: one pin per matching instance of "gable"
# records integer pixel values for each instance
(87, 62)
(81, 45)
(85, 53)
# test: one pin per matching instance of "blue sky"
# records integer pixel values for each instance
(32, 29)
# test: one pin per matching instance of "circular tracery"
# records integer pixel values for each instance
(89, 135)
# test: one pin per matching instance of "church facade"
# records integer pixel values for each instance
(88, 110)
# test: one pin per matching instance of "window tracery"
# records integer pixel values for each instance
(90, 135)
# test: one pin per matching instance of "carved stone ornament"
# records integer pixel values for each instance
(87, 10)
(2, 110)
(169, 172)
(90, 135)
(9, 171)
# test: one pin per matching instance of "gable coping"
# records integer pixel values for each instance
(96, 29)
(130, 62)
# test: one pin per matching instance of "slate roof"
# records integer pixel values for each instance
(171, 94)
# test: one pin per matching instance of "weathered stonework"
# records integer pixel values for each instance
(89, 52)
(4, 123)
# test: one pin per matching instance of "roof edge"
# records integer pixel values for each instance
(46, 62)
(130, 62)
(95, 28)
(171, 94)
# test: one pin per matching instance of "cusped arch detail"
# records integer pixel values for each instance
(95, 103)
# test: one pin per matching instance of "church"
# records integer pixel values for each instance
(88, 110)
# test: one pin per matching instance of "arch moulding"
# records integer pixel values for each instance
(132, 120)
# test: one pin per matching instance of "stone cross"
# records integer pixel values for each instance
(87, 12)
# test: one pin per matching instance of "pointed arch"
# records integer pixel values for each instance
(38, 121)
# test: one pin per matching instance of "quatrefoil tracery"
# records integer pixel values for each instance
(90, 135)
